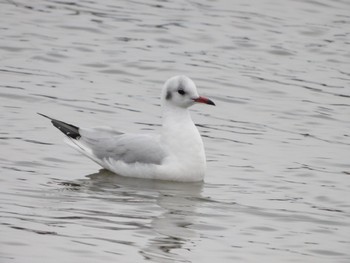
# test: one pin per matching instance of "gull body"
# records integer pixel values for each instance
(176, 154)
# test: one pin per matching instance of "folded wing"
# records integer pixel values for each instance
(105, 143)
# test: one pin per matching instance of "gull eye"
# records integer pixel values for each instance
(181, 92)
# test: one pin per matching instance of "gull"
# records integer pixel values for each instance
(176, 154)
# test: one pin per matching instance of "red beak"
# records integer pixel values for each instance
(204, 100)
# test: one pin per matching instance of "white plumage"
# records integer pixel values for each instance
(176, 154)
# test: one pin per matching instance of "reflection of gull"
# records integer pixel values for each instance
(176, 154)
(174, 226)
(164, 233)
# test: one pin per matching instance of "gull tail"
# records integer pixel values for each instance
(73, 136)
(68, 129)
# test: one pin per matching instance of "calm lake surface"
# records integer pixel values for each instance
(277, 187)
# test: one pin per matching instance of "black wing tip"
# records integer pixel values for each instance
(44, 115)
(67, 129)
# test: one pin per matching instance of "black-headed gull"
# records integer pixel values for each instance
(176, 154)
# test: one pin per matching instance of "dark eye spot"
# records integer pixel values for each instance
(181, 92)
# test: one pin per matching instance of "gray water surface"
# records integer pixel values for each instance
(277, 187)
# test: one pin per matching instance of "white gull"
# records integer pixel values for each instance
(176, 154)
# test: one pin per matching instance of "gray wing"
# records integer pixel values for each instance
(130, 148)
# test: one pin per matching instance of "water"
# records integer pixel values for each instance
(278, 182)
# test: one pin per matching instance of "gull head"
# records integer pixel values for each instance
(180, 91)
